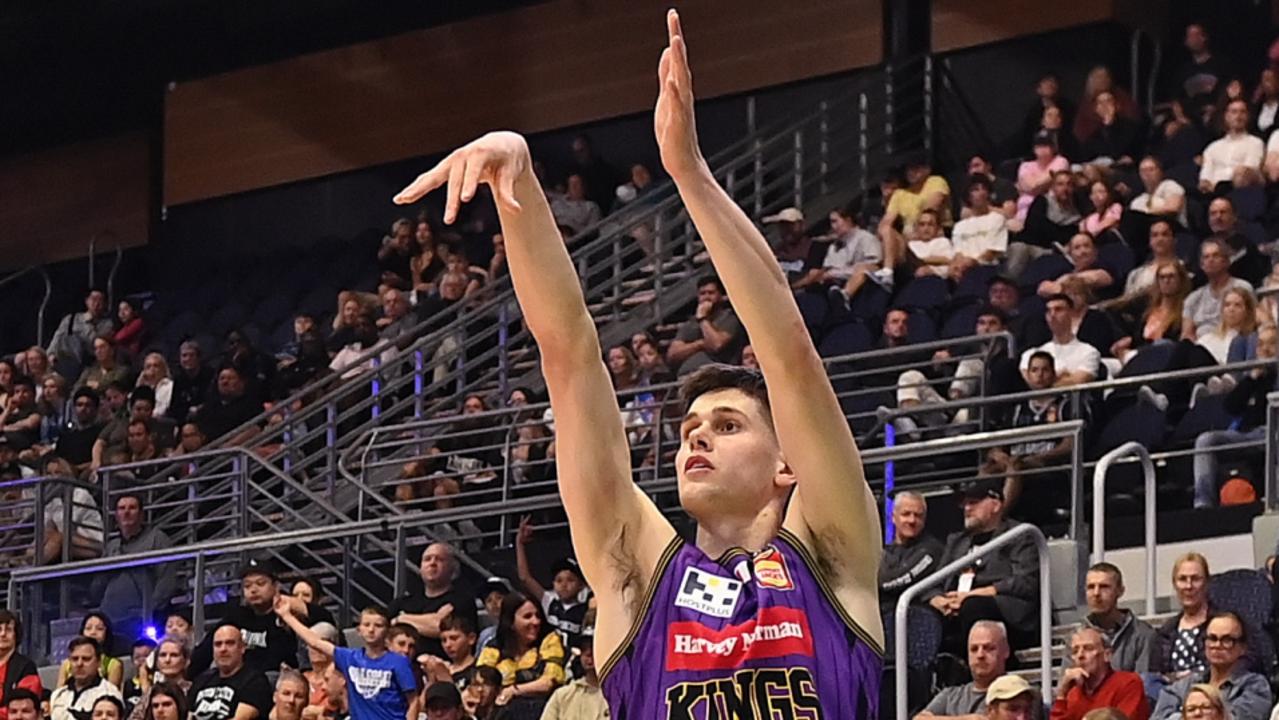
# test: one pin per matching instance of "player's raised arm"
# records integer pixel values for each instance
(618, 534)
(833, 507)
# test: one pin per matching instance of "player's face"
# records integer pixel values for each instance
(567, 585)
(728, 460)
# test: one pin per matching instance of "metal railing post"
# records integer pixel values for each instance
(197, 604)
(798, 181)
(44, 304)
(1128, 449)
(928, 105)
(376, 389)
(863, 141)
(1077, 527)
(757, 150)
(331, 444)
(823, 144)
(888, 108)
(1272, 452)
(346, 582)
(401, 542)
(503, 355)
(502, 528)
(418, 384)
(962, 563)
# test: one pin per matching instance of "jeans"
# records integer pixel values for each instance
(1206, 466)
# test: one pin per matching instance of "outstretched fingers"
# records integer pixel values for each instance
(424, 183)
(456, 172)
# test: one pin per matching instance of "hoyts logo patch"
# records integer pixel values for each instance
(775, 632)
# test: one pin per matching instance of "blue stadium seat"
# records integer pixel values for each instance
(976, 282)
(870, 304)
(1207, 414)
(961, 321)
(846, 339)
(1117, 257)
(1247, 593)
(924, 293)
(1138, 421)
(1047, 267)
(1149, 360)
(814, 307)
(923, 328)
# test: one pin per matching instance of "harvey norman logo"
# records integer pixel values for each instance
(776, 632)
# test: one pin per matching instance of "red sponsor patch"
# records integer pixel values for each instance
(771, 570)
(775, 632)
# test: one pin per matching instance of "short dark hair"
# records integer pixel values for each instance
(24, 380)
(715, 376)
(1163, 221)
(1063, 297)
(9, 617)
(851, 209)
(142, 392)
(145, 642)
(929, 211)
(120, 386)
(377, 610)
(705, 280)
(19, 694)
(488, 675)
(1004, 280)
(178, 612)
(81, 640)
(400, 628)
(87, 392)
(460, 623)
(992, 311)
(1042, 355)
(1108, 568)
(976, 181)
(1227, 615)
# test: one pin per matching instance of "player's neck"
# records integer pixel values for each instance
(751, 533)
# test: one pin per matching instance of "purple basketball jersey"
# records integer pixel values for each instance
(743, 638)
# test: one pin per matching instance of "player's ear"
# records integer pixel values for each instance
(785, 477)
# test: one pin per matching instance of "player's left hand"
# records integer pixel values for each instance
(673, 120)
(498, 158)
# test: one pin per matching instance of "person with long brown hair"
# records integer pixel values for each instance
(1156, 315)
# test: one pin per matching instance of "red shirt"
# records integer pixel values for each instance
(30, 682)
(1120, 690)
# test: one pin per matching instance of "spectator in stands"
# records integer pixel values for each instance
(1204, 72)
(228, 409)
(385, 683)
(1154, 315)
(457, 635)
(623, 368)
(439, 571)
(638, 186)
(35, 362)
(1003, 194)
(714, 334)
(574, 210)
(1051, 221)
(396, 320)
(395, 256)
(981, 238)
(20, 421)
(1163, 248)
(125, 593)
(598, 175)
(1129, 639)
(155, 375)
(256, 367)
(528, 653)
(1005, 586)
(652, 366)
(1092, 683)
(443, 701)
(82, 519)
(1163, 197)
(564, 606)
(1099, 81)
(21, 704)
(1010, 697)
(1265, 106)
(115, 435)
(1009, 463)
(1115, 139)
(303, 323)
(428, 264)
(581, 699)
(1075, 362)
(988, 654)
(491, 595)
(77, 438)
(139, 443)
(1246, 693)
(172, 658)
(335, 706)
(1103, 221)
(344, 324)
(168, 702)
(923, 191)
(913, 554)
(1246, 261)
(1088, 269)
(18, 674)
(72, 344)
(106, 368)
(75, 698)
(1235, 158)
(55, 412)
(131, 332)
(793, 243)
(266, 644)
(930, 249)
(1246, 405)
(1179, 650)
(1238, 322)
(853, 254)
(192, 383)
(290, 696)
(1203, 306)
(232, 689)
(1047, 97)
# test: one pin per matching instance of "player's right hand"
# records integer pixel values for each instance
(497, 158)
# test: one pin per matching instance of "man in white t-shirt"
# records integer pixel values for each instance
(1076, 362)
(982, 237)
(1235, 158)
(930, 246)
(1164, 197)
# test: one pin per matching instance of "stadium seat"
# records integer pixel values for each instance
(1118, 257)
(1136, 422)
(923, 328)
(846, 339)
(925, 293)
(960, 322)
(975, 282)
(1207, 414)
(1047, 267)
(870, 304)
(815, 308)
(1246, 593)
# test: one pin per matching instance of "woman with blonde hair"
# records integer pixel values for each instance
(1155, 315)
(155, 375)
(1179, 642)
(1238, 319)
(1204, 702)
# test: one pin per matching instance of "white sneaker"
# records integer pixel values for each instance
(1199, 392)
(1158, 400)
(883, 277)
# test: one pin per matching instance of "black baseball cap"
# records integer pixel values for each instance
(494, 584)
(260, 566)
(569, 564)
(982, 489)
(443, 695)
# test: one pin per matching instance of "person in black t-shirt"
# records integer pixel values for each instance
(268, 642)
(439, 570)
(75, 440)
(566, 601)
(229, 408)
(231, 690)
(191, 383)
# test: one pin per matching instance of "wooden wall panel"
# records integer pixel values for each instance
(557, 64)
(56, 200)
(963, 23)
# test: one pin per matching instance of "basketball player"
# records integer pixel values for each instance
(773, 612)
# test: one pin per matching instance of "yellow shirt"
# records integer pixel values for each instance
(576, 701)
(907, 205)
(544, 661)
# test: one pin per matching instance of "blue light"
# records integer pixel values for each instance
(150, 632)
(890, 477)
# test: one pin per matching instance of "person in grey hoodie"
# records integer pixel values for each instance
(1131, 639)
(913, 554)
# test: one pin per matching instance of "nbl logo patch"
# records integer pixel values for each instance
(707, 593)
(771, 570)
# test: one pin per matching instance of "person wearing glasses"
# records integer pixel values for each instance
(1245, 692)
(1204, 702)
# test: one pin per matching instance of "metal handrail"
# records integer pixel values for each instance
(1128, 449)
(44, 302)
(1272, 452)
(959, 564)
